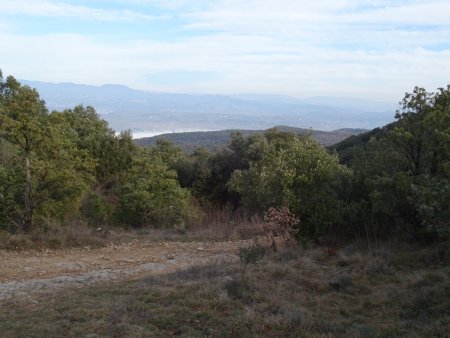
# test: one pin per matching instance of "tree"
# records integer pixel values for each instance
(56, 170)
(422, 140)
(22, 122)
(295, 171)
(63, 173)
(402, 171)
(11, 186)
(150, 195)
(112, 153)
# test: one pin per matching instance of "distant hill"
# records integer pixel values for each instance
(150, 113)
(210, 139)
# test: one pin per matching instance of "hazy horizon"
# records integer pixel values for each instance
(237, 95)
(148, 113)
(375, 50)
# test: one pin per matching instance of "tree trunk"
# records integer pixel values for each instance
(28, 221)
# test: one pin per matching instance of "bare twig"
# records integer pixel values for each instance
(340, 271)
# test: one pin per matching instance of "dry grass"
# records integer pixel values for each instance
(395, 291)
(223, 223)
(57, 237)
(218, 224)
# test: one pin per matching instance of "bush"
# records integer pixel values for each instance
(251, 255)
(297, 172)
(150, 195)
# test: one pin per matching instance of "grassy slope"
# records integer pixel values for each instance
(390, 292)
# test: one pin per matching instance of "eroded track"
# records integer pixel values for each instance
(28, 273)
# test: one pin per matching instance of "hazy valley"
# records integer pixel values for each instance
(149, 113)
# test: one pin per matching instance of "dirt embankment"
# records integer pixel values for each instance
(25, 273)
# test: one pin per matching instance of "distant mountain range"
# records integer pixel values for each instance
(211, 139)
(149, 113)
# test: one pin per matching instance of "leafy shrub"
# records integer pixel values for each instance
(150, 195)
(251, 255)
(297, 172)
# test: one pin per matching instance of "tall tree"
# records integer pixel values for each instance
(22, 122)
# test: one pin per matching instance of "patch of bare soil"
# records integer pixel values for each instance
(27, 273)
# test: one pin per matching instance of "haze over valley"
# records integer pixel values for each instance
(152, 113)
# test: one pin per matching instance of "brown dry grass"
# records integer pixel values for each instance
(217, 224)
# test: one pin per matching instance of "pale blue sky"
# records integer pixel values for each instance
(367, 48)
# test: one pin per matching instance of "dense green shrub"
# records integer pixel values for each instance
(402, 172)
(295, 171)
(149, 195)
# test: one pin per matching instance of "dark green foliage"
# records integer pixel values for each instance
(285, 169)
(204, 173)
(431, 196)
(397, 182)
(59, 166)
(96, 209)
(24, 124)
(11, 186)
(351, 147)
(402, 171)
(55, 173)
(149, 194)
(111, 153)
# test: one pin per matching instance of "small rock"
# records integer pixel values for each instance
(126, 260)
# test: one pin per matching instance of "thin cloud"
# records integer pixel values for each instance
(373, 49)
(275, 16)
(298, 72)
(337, 24)
(42, 8)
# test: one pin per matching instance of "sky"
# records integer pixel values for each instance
(374, 49)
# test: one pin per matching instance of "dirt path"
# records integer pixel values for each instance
(24, 274)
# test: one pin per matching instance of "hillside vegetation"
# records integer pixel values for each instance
(62, 168)
(189, 141)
